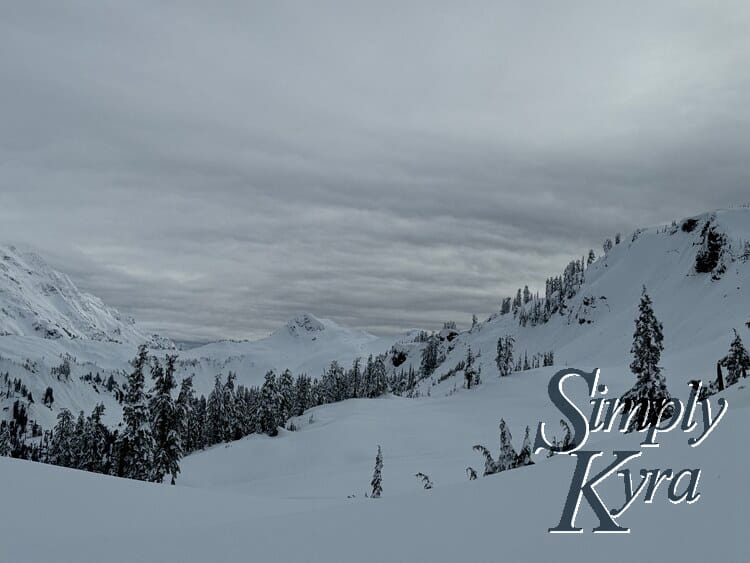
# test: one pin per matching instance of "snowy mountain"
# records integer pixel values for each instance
(36, 300)
(304, 344)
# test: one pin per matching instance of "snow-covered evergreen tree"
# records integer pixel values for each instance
(95, 455)
(377, 476)
(186, 404)
(507, 458)
(135, 447)
(286, 396)
(430, 356)
(166, 422)
(490, 465)
(504, 357)
(217, 422)
(736, 361)
(268, 420)
(524, 455)
(61, 446)
(5, 445)
(649, 394)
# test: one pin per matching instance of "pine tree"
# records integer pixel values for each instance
(649, 394)
(5, 445)
(377, 477)
(490, 465)
(166, 422)
(61, 446)
(379, 377)
(136, 444)
(95, 455)
(507, 457)
(737, 361)
(524, 455)
(186, 404)
(591, 258)
(215, 428)
(504, 358)
(430, 356)
(286, 396)
(230, 424)
(79, 441)
(469, 371)
(268, 409)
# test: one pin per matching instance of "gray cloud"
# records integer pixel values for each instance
(211, 170)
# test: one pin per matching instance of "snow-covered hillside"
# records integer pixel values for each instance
(36, 300)
(698, 310)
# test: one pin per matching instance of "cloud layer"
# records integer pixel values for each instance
(213, 169)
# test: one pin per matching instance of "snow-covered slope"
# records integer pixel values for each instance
(240, 505)
(36, 300)
(698, 310)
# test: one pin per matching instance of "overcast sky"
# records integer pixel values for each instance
(213, 167)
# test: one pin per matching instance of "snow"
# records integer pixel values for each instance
(66, 515)
(286, 498)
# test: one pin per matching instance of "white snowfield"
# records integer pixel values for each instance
(286, 498)
(245, 502)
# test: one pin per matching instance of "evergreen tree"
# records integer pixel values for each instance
(61, 446)
(286, 396)
(524, 455)
(430, 356)
(268, 409)
(79, 441)
(507, 457)
(591, 258)
(737, 361)
(377, 477)
(504, 358)
(5, 445)
(136, 444)
(230, 425)
(166, 422)
(649, 394)
(302, 394)
(95, 455)
(216, 425)
(186, 404)
(490, 465)
(469, 371)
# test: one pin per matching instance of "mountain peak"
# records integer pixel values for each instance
(305, 323)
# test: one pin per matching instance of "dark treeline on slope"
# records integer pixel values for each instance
(162, 424)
